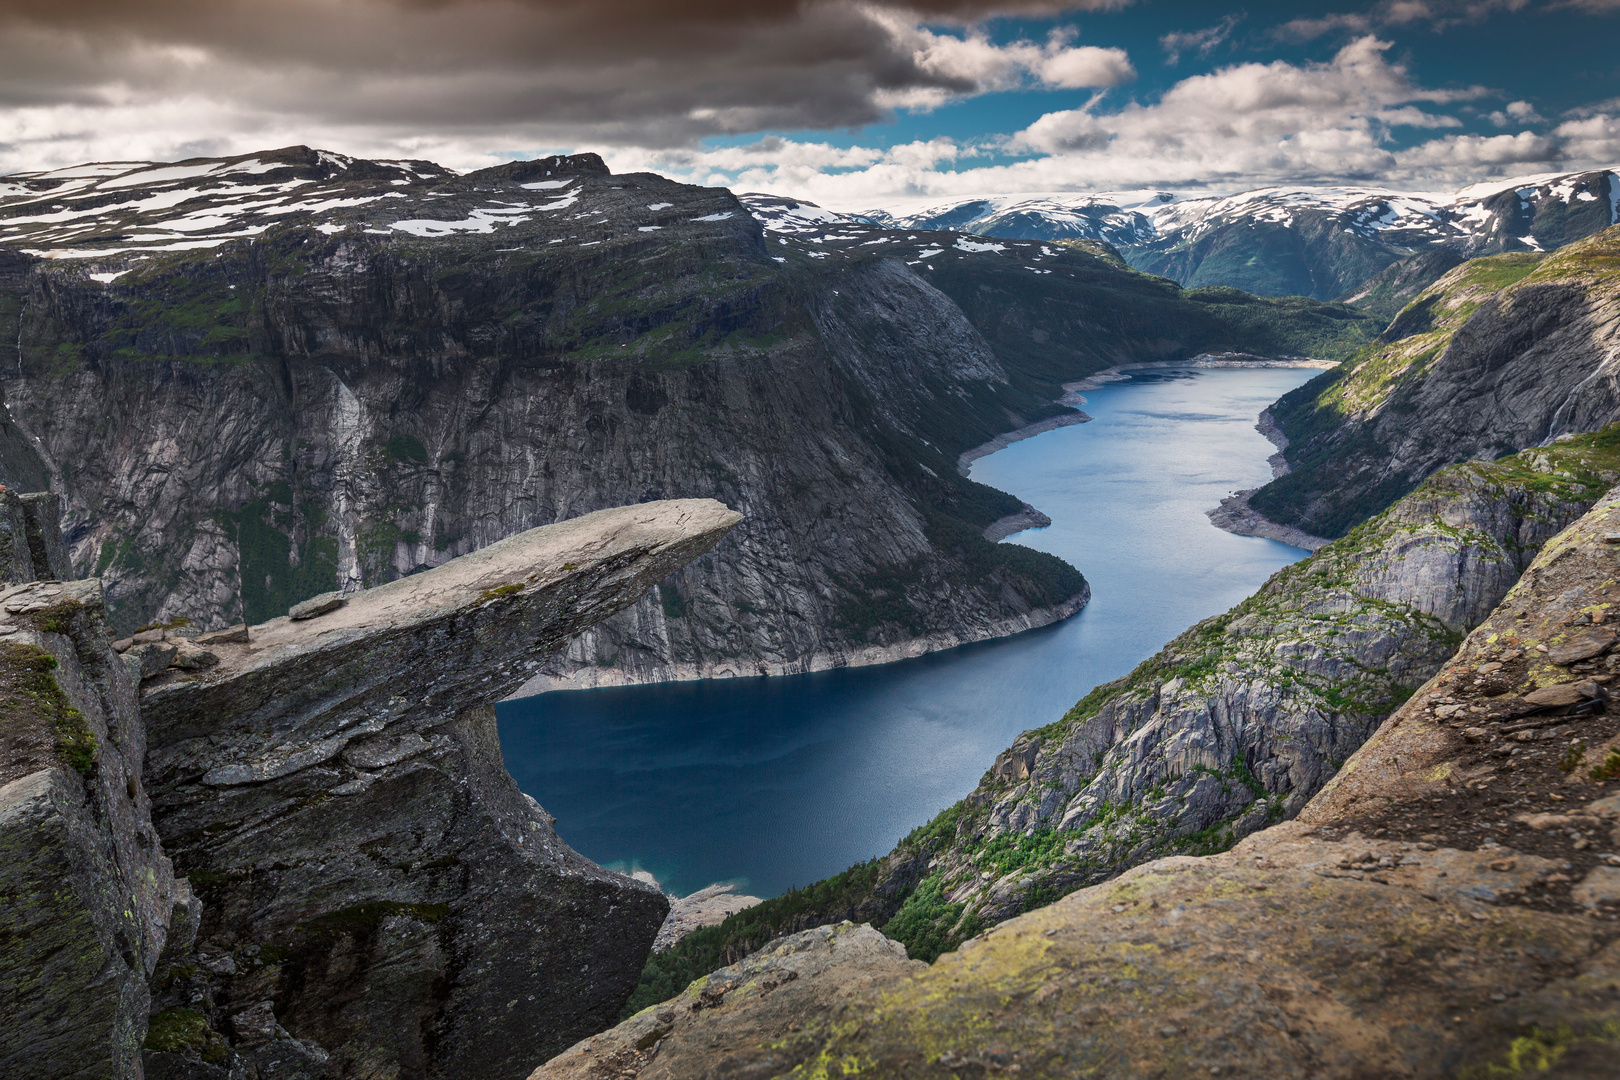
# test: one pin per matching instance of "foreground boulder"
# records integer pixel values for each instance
(380, 899)
(1446, 907)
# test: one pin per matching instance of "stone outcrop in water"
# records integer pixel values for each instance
(1447, 907)
(379, 898)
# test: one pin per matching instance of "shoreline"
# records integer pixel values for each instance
(1027, 518)
(871, 656)
(1236, 516)
(1028, 431)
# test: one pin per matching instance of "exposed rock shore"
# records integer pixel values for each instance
(1235, 515)
(583, 677)
(1499, 354)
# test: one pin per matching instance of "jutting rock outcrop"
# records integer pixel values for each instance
(382, 366)
(379, 899)
(375, 367)
(1446, 907)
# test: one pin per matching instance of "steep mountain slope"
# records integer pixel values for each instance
(264, 377)
(1319, 242)
(1234, 726)
(1050, 310)
(1499, 354)
(1399, 283)
(386, 372)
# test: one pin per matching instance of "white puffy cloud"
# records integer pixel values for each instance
(1255, 120)
(1515, 112)
(1241, 126)
(955, 62)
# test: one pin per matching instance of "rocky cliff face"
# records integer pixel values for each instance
(1445, 908)
(88, 899)
(373, 895)
(379, 899)
(421, 365)
(1499, 354)
(262, 378)
(1245, 717)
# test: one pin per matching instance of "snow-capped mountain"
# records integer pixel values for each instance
(794, 217)
(1119, 218)
(1319, 242)
(112, 216)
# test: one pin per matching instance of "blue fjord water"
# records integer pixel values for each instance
(775, 782)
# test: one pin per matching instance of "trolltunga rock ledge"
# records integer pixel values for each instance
(378, 896)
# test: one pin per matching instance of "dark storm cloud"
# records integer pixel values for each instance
(619, 70)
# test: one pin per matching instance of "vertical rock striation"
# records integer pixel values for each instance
(1499, 354)
(1240, 721)
(87, 897)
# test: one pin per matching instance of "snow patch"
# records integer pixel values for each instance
(969, 245)
(159, 176)
(714, 217)
(660, 205)
(105, 278)
(547, 185)
(481, 221)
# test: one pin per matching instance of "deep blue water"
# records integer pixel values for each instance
(776, 782)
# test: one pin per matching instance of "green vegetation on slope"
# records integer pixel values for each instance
(1339, 424)
(1091, 313)
(911, 903)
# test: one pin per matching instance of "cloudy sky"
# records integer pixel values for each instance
(851, 104)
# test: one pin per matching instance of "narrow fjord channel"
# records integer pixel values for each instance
(775, 782)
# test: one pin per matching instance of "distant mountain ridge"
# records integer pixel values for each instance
(1280, 241)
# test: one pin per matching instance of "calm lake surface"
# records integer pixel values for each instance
(776, 782)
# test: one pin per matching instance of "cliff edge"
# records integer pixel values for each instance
(1448, 906)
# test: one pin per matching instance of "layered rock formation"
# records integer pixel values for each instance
(425, 363)
(87, 897)
(1445, 908)
(1500, 354)
(379, 898)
